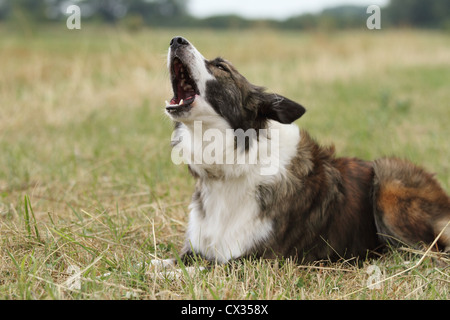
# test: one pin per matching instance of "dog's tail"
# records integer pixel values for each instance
(410, 206)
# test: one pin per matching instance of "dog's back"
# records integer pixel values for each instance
(323, 209)
(331, 208)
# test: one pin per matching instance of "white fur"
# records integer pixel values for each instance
(233, 225)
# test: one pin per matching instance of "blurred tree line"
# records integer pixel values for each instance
(135, 14)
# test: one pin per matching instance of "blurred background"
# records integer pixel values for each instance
(281, 14)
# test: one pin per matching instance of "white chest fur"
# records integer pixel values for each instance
(225, 220)
(226, 223)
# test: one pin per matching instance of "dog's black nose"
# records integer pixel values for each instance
(178, 41)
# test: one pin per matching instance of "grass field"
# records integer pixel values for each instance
(89, 195)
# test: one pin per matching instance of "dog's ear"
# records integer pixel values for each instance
(281, 109)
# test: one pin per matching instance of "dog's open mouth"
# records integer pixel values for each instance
(184, 88)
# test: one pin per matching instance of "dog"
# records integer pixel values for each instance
(296, 199)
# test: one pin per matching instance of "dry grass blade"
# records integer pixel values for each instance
(418, 263)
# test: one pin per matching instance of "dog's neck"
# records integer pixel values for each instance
(219, 152)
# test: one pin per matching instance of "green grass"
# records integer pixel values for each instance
(87, 185)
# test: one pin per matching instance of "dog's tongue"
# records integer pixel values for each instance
(174, 103)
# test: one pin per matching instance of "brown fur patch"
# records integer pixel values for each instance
(323, 209)
(410, 204)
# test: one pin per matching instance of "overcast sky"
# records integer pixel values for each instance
(276, 9)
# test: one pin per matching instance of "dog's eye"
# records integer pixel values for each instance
(221, 67)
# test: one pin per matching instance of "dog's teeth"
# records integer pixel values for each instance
(181, 102)
(167, 103)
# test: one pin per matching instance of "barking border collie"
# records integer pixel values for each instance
(314, 206)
